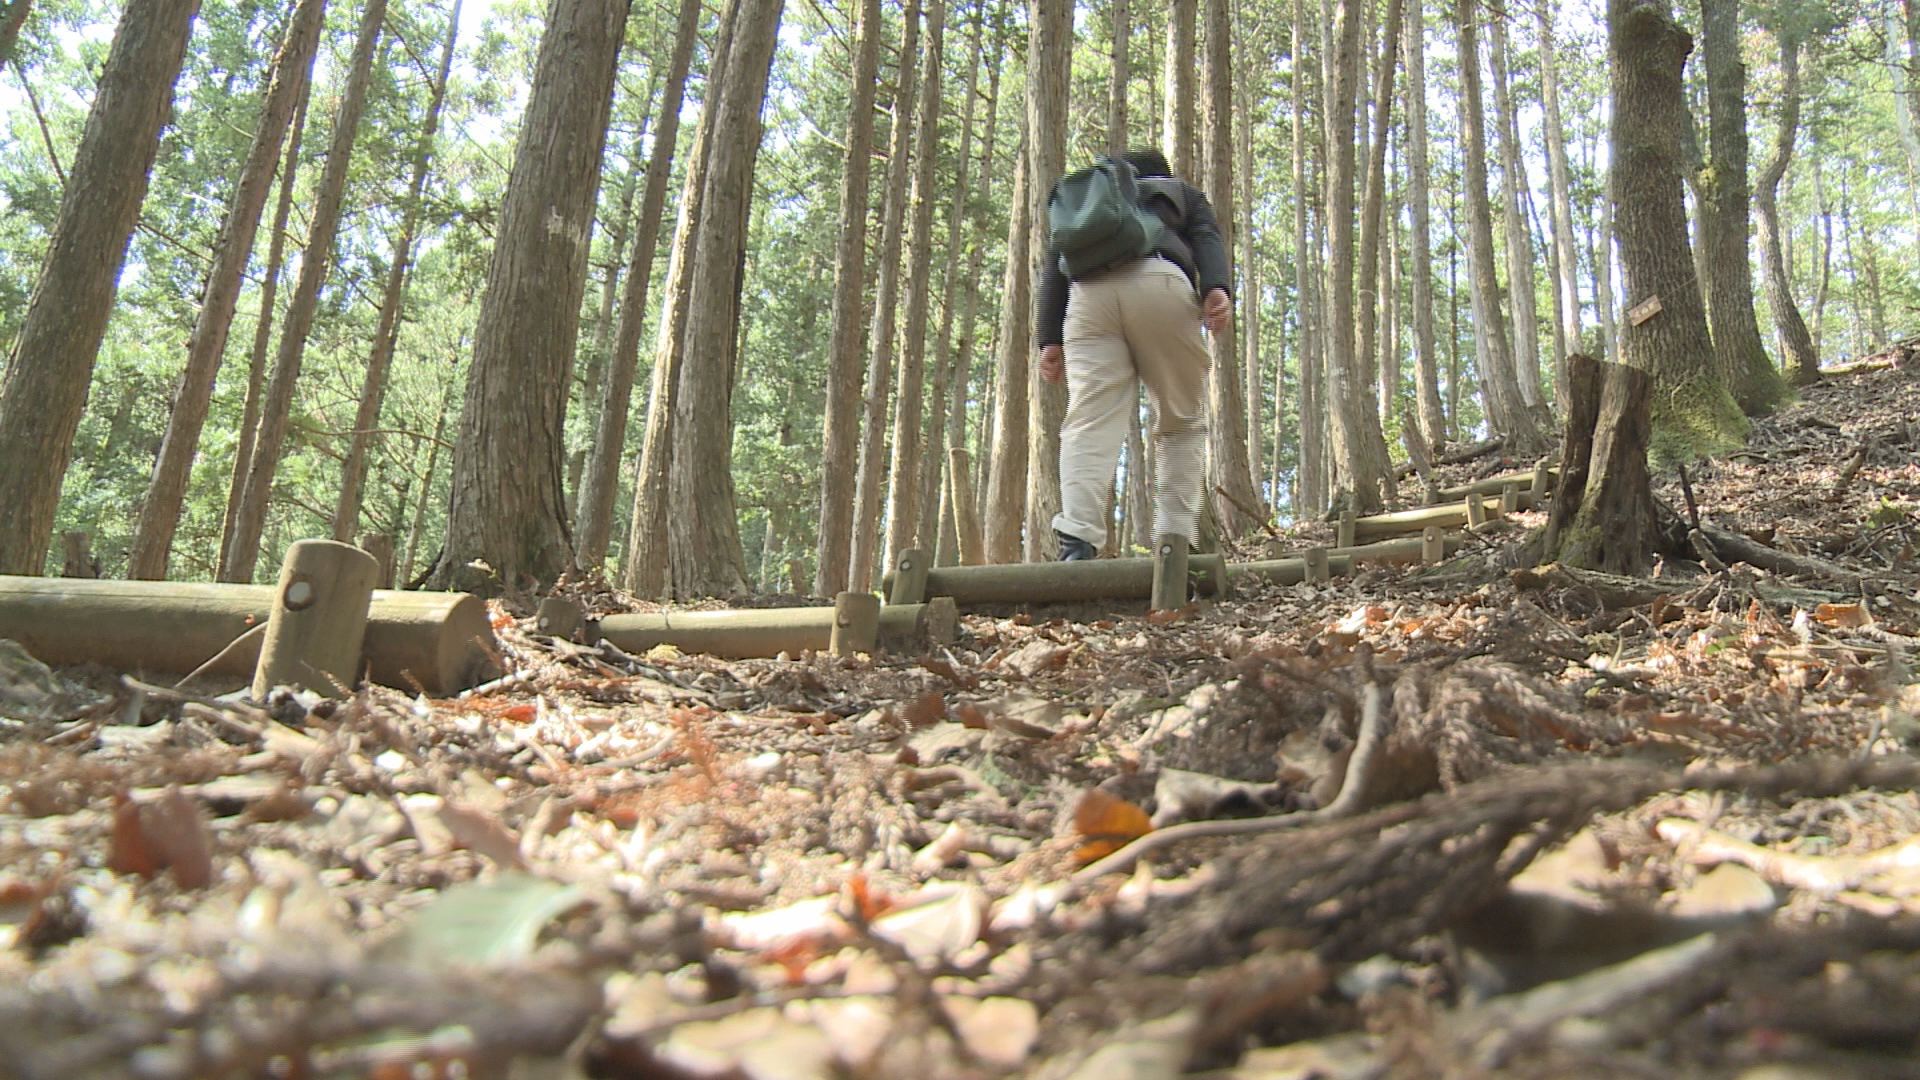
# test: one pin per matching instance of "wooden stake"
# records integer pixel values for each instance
(1476, 512)
(561, 618)
(1509, 500)
(1542, 481)
(1316, 565)
(319, 620)
(1348, 530)
(909, 584)
(1169, 573)
(1433, 545)
(856, 624)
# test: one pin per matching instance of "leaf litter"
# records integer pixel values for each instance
(1452, 822)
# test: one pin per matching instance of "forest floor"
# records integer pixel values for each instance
(1666, 830)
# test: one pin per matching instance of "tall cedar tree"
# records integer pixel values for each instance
(886, 297)
(373, 388)
(847, 331)
(1742, 356)
(1049, 60)
(1513, 185)
(52, 361)
(1006, 484)
(1566, 260)
(507, 506)
(250, 520)
(1803, 362)
(167, 489)
(704, 530)
(1426, 359)
(1311, 496)
(904, 527)
(648, 540)
(1647, 52)
(1371, 259)
(595, 518)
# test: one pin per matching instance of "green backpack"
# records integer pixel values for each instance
(1095, 220)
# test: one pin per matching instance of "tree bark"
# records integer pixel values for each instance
(1565, 254)
(1006, 484)
(1513, 182)
(48, 373)
(1049, 60)
(704, 547)
(1692, 410)
(1426, 361)
(903, 481)
(262, 331)
(1119, 78)
(167, 487)
(1250, 293)
(1603, 511)
(1802, 360)
(346, 513)
(840, 445)
(886, 290)
(250, 521)
(508, 505)
(648, 541)
(610, 432)
(1756, 385)
(12, 17)
(1506, 409)
(1178, 108)
(1363, 375)
(1312, 497)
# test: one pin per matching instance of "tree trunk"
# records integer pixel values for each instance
(1426, 361)
(1802, 360)
(1692, 410)
(1824, 221)
(1006, 484)
(1897, 68)
(346, 513)
(12, 17)
(648, 541)
(1049, 60)
(1603, 513)
(704, 548)
(946, 412)
(418, 527)
(1566, 257)
(508, 507)
(840, 443)
(262, 331)
(1250, 298)
(1506, 409)
(1603, 279)
(1756, 385)
(47, 376)
(250, 521)
(166, 489)
(1513, 181)
(886, 291)
(1312, 498)
(1237, 511)
(1178, 108)
(1363, 375)
(1119, 78)
(903, 482)
(610, 432)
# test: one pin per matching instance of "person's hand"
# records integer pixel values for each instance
(1053, 363)
(1217, 312)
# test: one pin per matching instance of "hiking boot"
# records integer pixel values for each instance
(1074, 549)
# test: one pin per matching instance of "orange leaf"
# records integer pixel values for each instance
(1847, 616)
(520, 714)
(969, 715)
(1106, 823)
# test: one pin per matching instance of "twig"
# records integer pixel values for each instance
(1686, 492)
(1243, 508)
(1853, 466)
(1352, 793)
(249, 634)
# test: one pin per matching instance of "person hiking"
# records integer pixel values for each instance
(1108, 314)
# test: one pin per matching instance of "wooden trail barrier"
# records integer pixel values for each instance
(441, 641)
(1062, 582)
(1413, 522)
(765, 632)
(856, 624)
(1169, 574)
(1292, 570)
(1494, 485)
(319, 619)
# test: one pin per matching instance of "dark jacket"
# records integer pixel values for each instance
(1191, 241)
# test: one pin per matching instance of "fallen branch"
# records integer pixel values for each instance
(1247, 510)
(1458, 457)
(1853, 466)
(1816, 873)
(1732, 547)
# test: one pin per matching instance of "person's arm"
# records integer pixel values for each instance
(1209, 250)
(1049, 301)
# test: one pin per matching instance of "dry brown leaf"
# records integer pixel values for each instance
(926, 710)
(949, 672)
(164, 832)
(1844, 616)
(1106, 823)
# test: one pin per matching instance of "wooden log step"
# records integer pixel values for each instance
(1413, 522)
(765, 632)
(1290, 570)
(1062, 582)
(441, 641)
(1493, 485)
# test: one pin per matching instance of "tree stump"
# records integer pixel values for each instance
(319, 620)
(1602, 516)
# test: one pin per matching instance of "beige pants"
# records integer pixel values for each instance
(1139, 322)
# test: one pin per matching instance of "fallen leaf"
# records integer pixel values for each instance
(1164, 616)
(926, 710)
(481, 924)
(1845, 616)
(1106, 823)
(167, 831)
(479, 831)
(949, 672)
(758, 1044)
(935, 923)
(1000, 1031)
(1035, 657)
